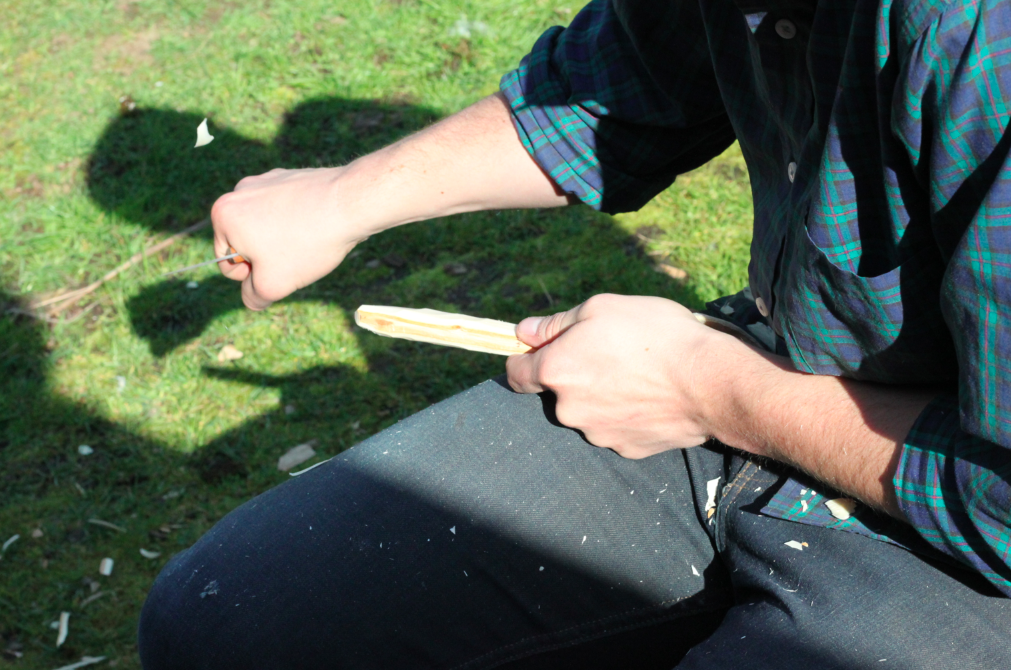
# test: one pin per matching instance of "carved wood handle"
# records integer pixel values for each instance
(470, 332)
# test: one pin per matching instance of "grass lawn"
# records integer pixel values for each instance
(178, 437)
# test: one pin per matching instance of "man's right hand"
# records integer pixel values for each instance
(288, 226)
(295, 226)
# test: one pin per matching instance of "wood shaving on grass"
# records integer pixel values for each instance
(11, 540)
(296, 456)
(204, 136)
(229, 353)
(63, 628)
(85, 661)
(106, 524)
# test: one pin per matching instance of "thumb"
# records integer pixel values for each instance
(539, 330)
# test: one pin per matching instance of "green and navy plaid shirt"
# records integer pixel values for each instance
(876, 137)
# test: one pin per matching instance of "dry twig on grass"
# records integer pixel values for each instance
(64, 298)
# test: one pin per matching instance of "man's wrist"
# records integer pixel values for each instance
(740, 379)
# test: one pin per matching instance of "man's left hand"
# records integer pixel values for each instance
(632, 373)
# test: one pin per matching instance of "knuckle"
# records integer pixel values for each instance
(549, 372)
(223, 207)
(566, 415)
(595, 304)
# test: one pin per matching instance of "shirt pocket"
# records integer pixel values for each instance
(885, 328)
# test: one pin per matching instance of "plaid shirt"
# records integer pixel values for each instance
(874, 132)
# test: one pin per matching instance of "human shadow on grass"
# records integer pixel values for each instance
(144, 168)
(164, 501)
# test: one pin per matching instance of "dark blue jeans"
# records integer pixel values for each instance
(479, 534)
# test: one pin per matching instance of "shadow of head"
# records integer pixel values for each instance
(145, 168)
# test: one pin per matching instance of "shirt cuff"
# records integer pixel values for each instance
(560, 137)
(955, 489)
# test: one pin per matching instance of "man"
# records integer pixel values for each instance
(481, 533)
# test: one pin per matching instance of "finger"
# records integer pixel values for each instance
(263, 287)
(539, 330)
(253, 181)
(521, 371)
(235, 271)
(252, 299)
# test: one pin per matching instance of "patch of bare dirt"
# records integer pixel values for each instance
(60, 42)
(29, 186)
(216, 12)
(130, 9)
(127, 52)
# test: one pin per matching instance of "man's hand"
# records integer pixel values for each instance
(287, 224)
(640, 375)
(626, 371)
(295, 226)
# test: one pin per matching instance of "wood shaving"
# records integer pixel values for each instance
(674, 273)
(150, 555)
(204, 136)
(106, 524)
(64, 628)
(11, 540)
(314, 465)
(85, 661)
(793, 544)
(105, 567)
(296, 456)
(711, 487)
(229, 353)
(841, 508)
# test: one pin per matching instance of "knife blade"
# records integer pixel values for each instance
(233, 256)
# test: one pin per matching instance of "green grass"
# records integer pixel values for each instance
(180, 438)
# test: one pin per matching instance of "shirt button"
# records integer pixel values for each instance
(791, 171)
(762, 309)
(786, 29)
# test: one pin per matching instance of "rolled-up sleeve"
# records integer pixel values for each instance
(953, 488)
(613, 118)
(952, 114)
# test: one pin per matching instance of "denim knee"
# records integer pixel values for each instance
(164, 637)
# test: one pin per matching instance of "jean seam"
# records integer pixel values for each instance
(746, 474)
(547, 646)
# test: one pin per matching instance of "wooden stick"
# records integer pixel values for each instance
(71, 297)
(452, 330)
(475, 334)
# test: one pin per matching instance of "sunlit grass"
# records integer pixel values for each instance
(133, 371)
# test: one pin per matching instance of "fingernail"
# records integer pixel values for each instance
(527, 328)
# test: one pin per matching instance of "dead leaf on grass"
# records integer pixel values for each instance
(675, 273)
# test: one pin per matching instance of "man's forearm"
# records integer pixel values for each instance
(845, 433)
(295, 226)
(468, 162)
